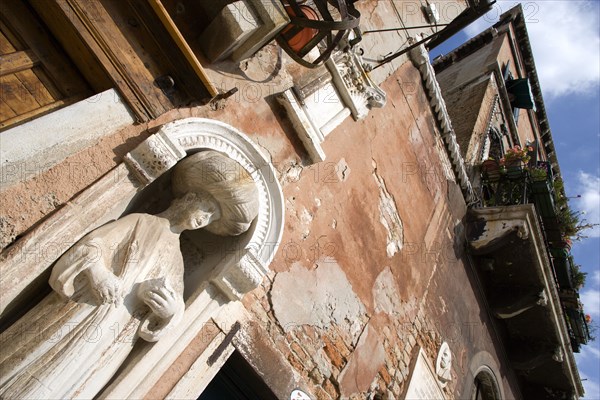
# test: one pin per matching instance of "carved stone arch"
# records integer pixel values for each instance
(243, 269)
(482, 379)
(485, 385)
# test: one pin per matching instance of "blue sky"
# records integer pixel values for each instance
(565, 38)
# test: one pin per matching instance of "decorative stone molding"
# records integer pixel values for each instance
(240, 275)
(311, 136)
(349, 92)
(420, 58)
(193, 134)
(153, 157)
(354, 85)
(485, 382)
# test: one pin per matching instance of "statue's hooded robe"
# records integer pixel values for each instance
(70, 349)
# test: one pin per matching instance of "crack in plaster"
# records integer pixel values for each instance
(343, 170)
(389, 216)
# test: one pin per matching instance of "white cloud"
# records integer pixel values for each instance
(595, 278)
(591, 302)
(588, 186)
(565, 39)
(588, 351)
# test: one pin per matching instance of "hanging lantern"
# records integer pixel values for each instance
(311, 28)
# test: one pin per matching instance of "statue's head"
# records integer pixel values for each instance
(194, 211)
(214, 191)
(446, 359)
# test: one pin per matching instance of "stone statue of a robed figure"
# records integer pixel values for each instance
(121, 282)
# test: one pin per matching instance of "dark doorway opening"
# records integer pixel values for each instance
(237, 380)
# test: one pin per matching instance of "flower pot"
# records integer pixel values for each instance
(562, 244)
(490, 169)
(514, 169)
(302, 38)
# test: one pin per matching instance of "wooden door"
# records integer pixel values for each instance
(36, 76)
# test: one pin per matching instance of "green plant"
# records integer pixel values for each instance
(559, 193)
(538, 173)
(571, 224)
(577, 275)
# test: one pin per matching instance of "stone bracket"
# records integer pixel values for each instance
(236, 277)
(520, 304)
(153, 157)
(241, 28)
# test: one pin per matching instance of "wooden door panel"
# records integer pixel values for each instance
(5, 46)
(16, 95)
(35, 74)
(40, 86)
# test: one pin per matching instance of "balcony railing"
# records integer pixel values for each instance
(519, 184)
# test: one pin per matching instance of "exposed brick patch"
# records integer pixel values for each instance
(322, 394)
(316, 376)
(301, 354)
(383, 372)
(331, 389)
(332, 353)
(294, 362)
(340, 346)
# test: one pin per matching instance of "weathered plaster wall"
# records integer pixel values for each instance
(338, 293)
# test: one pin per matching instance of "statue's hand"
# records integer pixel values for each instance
(161, 298)
(105, 285)
(167, 308)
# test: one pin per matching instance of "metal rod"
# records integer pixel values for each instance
(409, 48)
(399, 29)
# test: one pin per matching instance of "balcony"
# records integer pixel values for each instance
(528, 277)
